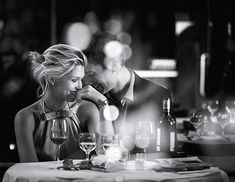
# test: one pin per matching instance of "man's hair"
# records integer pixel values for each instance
(95, 51)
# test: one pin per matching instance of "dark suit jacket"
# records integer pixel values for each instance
(147, 105)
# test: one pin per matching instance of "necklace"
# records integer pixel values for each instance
(49, 109)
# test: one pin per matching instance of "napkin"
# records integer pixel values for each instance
(100, 162)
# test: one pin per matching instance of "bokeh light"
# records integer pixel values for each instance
(111, 113)
(78, 35)
(127, 143)
(113, 49)
(124, 38)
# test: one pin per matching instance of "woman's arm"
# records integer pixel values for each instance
(24, 126)
(89, 114)
(92, 117)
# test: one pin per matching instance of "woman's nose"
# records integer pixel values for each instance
(80, 84)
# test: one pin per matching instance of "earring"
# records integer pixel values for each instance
(51, 82)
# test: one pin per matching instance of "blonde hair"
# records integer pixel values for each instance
(54, 63)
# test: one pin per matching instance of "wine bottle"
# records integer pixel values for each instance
(166, 130)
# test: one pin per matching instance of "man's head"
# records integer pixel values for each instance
(105, 59)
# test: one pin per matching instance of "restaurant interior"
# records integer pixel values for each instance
(187, 46)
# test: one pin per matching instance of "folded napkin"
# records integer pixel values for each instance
(100, 162)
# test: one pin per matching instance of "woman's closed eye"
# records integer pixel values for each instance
(74, 80)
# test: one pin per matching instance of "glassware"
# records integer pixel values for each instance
(231, 106)
(87, 142)
(139, 162)
(197, 121)
(213, 106)
(223, 118)
(108, 141)
(58, 134)
(110, 144)
(145, 131)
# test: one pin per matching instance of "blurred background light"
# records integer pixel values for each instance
(127, 51)
(111, 113)
(113, 49)
(180, 26)
(78, 35)
(125, 38)
(91, 20)
(12, 146)
(163, 64)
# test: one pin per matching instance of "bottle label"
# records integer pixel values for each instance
(158, 139)
(172, 141)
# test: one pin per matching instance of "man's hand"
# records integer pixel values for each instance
(91, 94)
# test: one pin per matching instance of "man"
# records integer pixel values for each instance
(136, 98)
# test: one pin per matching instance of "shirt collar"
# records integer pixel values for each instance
(129, 95)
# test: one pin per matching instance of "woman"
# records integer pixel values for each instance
(59, 71)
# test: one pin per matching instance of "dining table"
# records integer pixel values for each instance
(45, 172)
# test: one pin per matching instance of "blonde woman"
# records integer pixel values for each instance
(58, 71)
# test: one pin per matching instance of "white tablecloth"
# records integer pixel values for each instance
(41, 172)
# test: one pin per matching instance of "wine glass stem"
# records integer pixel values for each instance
(87, 156)
(58, 156)
(145, 149)
(222, 131)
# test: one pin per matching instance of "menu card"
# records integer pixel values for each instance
(181, 164)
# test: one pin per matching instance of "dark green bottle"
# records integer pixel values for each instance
(166, 130)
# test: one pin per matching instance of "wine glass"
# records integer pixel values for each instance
(87, 142)
(231, 106)
(197, 121)
(223, 118)
(213, 106)
(145, 131)
(110, 144)
(58, 134)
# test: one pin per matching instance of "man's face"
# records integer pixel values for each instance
(102, 79)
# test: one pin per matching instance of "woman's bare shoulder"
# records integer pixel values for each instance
(27, 114)
(88, 106)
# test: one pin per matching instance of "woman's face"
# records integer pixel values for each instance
(65, 87)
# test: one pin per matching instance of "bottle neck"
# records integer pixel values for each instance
(166, 107)
(166, 112)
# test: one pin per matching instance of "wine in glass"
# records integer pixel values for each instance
(58, 134)
(223, 118)
(87, 142)
(145, 131)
